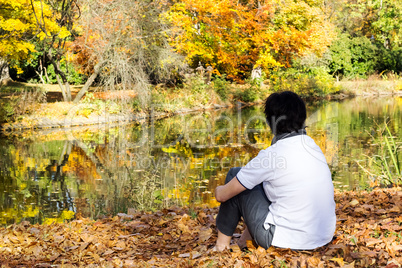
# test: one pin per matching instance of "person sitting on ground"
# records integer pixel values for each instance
(285, 194)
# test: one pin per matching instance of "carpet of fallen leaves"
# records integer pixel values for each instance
(368, 234)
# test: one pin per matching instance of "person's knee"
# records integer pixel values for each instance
(232, 173)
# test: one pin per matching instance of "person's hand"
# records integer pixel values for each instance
(227, 191)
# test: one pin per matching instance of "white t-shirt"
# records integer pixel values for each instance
(297, 180)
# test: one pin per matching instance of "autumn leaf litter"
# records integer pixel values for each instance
(368, 234)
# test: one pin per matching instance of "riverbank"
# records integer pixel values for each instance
(32, 108)
(368, 234)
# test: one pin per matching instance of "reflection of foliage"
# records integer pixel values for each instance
(16, 215)
(344, 129)
(158, 164)
(32, 189)
(64, 215)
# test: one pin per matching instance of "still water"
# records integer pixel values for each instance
(54, 175)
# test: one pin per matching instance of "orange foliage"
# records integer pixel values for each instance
(81, 166)
(368, 234)
(109, 28)
(234, 38)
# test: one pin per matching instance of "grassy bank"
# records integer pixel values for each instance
(368, 234)
(373, 85)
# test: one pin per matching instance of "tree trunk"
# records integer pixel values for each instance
(66, 88)
(47, 76)
(91, 79)
(4, 72)
(63, 91)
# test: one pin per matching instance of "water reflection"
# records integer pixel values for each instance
(52, 175)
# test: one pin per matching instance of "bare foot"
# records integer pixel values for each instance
(219, 248)
(222, 242)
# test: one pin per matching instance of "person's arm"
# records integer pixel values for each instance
(227, 191)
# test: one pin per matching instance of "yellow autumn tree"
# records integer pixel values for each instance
(19, 27)
(236, 36)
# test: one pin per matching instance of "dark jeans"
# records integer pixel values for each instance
(253, 206)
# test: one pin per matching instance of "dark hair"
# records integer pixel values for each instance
(285, 112)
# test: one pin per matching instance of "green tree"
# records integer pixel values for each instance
(352, 56)
(369, 37)
(387, 24)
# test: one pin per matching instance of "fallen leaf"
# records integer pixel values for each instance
(205, 234)
(395, 209)
(350, 265)
(354, 202)
(184, 255)
(339, 261)
(108, 252)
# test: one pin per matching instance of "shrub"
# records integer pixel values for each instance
(246, 95)
(389, 60)
(221, 86)
(353, 57)
(195, 83)
(73, 77)
(307, 82)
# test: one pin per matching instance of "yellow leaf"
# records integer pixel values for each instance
(354, 202)
(339, 261)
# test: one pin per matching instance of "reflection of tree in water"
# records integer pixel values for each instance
(150, 166)
(32, 193)
(60, 199)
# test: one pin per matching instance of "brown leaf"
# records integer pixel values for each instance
(161, 222)
(14, 239)
(120, 244)
(250, 245)
(314, 262)
(205, 234)
(83, 246)
(54, 256)
(354, 202)
(395, 209)
(372, 241)
(184, 255)
(108, 252)
(183, 228)
(37, 251)
(350, 265)
(360, 211)
(129, 263)
(58, 239)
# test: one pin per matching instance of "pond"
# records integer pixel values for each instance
(53, 175)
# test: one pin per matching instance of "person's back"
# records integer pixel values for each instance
(285, 194)
(301, 194)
